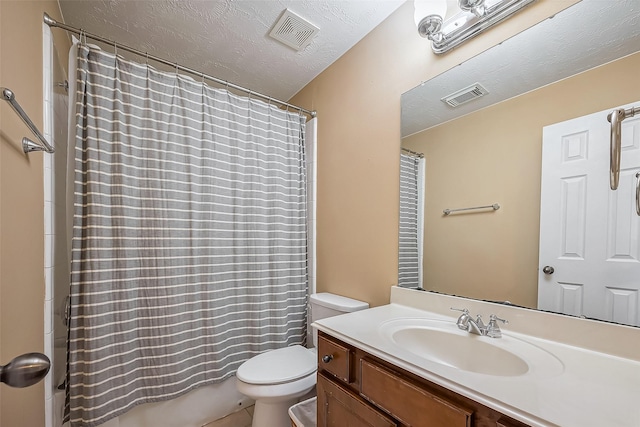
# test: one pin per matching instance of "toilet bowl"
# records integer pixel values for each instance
(277, 379)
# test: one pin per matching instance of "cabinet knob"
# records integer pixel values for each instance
(327, 358)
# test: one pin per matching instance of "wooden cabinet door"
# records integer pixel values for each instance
(338, 407)
(408, 402)
(334, 358)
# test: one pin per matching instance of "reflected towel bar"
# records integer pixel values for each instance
(27, 144)
(494, 206)
(615, 118)
(638, 193)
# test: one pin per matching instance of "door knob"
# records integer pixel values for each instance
(548, 269)
(25, 370)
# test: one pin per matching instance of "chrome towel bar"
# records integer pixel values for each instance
(27, 144)
(638, 193)
(615, 118)
(494, 206)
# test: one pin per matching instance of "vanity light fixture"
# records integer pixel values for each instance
(429, 16)
(474, 17)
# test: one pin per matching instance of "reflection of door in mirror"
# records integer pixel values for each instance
(589, 234)
(411, 219)
(494, 155)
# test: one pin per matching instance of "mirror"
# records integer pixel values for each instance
(489, 150)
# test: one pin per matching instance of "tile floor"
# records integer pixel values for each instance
(241, 418)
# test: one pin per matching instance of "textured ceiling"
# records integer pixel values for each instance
(586, 35)
(229, 38)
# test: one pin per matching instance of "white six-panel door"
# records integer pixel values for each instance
(589, 234)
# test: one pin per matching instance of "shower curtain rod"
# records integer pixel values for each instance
(412, 152)
(53, 23)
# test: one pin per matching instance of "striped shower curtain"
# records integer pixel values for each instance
(189, 235)
(411, 219)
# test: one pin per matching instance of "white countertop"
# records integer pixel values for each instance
(594, 388)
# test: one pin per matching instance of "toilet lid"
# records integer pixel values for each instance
(278, 366)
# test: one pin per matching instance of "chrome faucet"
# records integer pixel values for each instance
(463, 320)
(477, 327)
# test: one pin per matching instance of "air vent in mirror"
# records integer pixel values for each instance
(465, 95)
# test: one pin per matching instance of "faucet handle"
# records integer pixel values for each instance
(493, 330)
(493, 317)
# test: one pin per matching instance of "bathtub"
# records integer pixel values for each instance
(194, 409)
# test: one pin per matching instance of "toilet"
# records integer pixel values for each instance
(277, 379)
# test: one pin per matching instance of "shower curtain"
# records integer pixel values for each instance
(411, 221)
(189, 235)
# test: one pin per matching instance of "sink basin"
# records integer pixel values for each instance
(443, 343)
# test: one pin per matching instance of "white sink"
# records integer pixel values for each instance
(443, 343)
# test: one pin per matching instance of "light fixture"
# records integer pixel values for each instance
(474, 6)
(429, 16)
(474, 17)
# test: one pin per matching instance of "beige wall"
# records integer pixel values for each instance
(21, 205)
(492, 156)
(358, 104)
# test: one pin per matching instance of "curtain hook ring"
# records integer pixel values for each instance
(147, 53)
(115, 59)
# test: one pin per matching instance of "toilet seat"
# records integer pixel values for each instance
(278, 366)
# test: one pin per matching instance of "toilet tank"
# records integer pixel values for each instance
(325, 305)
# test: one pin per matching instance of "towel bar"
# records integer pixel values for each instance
(27, 144)
(494, 206)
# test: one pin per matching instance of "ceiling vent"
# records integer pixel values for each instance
(465, 95)
(293, 31)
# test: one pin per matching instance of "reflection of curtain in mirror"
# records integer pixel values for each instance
(411, 221)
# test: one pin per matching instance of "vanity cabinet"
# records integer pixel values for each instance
(356, 389)
(338, 406)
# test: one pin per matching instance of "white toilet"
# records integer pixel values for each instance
(277, 379)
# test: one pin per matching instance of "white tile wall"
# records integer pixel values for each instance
(55, 107)
(48, 219)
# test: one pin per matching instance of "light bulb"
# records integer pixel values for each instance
(475, 6)
(424, 8)
(428, 16)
